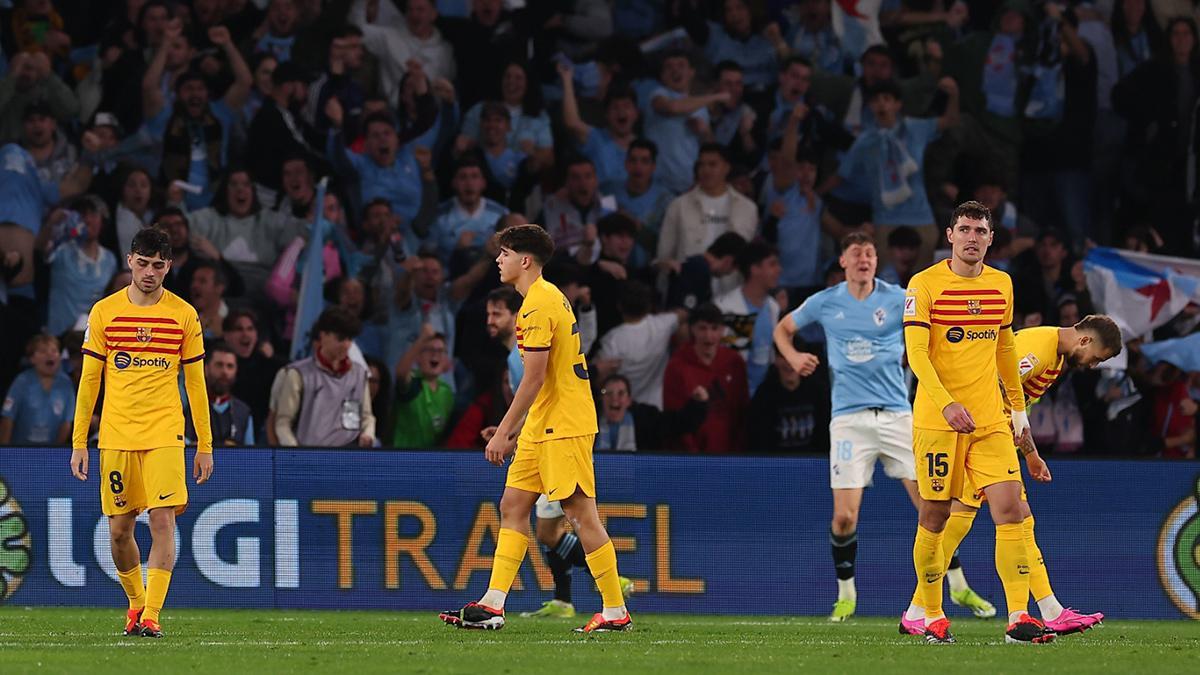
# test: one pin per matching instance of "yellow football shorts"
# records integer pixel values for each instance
(950, 463)
(554, 468)
(132, 481)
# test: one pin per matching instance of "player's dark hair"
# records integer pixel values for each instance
(616, 223)
(230, 321)
(706, 313)
(728, 244)
(904, 237)
(1105, 330)
(219, 276)
(337, 321)
(507, 296)
(530, 238)
(856, 239)
(616, 377)
(636, 299)
(643, 144)
(973, 210)
(217, 346)
(150, 242)
(39, 340)
(753, 254)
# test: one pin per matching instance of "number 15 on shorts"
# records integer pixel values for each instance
(937, 464)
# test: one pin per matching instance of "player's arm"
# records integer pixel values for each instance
(784, 332)
(1010, 375)
(192, 360)
(95, 351)
(504, 442)
(917, 336)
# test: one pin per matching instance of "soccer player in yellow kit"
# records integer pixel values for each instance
(554, 416)
(1043, 353)
(136, 342)
(959, 340)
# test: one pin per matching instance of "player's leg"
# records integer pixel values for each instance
(602, 561)
(560, 548)
(121, 499)
(1061, 620)
(993, 467)
(843, 540)
(163, 479)
(854, 446)
(938, 460)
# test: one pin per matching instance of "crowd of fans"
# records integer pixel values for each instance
(695, 161)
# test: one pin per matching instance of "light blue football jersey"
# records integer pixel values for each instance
(865, 341)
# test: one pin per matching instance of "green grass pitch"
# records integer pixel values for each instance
(71, 640)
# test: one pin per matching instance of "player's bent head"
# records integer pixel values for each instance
(1103, 330)
(530, 239)
(151, 242)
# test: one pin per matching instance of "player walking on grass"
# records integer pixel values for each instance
(959, 340)
(137, 340)
(1042, 355)
(550, 424)
(872, 419)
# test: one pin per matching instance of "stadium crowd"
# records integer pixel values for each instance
(696, 162)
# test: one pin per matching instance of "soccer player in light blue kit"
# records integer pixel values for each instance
(871, 415)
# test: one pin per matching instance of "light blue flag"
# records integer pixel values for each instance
(312, 279)
(1183, 353)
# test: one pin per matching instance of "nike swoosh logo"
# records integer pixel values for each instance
(526, 314)
(552, 492)
(1012, 471)
(166, 496)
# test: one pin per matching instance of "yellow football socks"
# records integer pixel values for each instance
(930, 563)
(1039, 580)
(157, 582)
(131, 581)
(957, 527)
(1012, 564)
(511, 547)
(603, 564)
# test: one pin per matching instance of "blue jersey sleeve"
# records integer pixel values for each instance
(809, 311)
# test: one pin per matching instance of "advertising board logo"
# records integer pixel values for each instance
(955, 334)
(1178, 554)
(15, 544)
(122, 360)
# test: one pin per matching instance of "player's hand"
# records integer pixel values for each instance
(805, 363)
(202, 468)
(1022, 434)
(79, 462)
(500, 447)
(958, 418)
(1037, 467)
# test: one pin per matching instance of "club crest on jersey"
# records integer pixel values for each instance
(880, 316)
(144, 334)
(975, 307)
(937, 484)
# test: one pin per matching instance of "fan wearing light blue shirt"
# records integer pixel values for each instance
(871, 416)
(80, 268)
(734, 40)
(386, 168)
(40, 404)
(677, 121)
(606, 147)
(465, 222)
(640, 195)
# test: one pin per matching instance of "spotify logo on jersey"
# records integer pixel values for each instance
(955, 334)
(121, 360)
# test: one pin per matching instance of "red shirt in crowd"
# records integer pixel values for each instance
(724, 430)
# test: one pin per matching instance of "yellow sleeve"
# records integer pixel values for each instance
(916, 343)
(95, 351)
(1006, 356)
(537, 327)
(193, 378)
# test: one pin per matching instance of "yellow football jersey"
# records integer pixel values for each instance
(143, 350)
(964, 317)
(1038, 361)
(564, 407)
